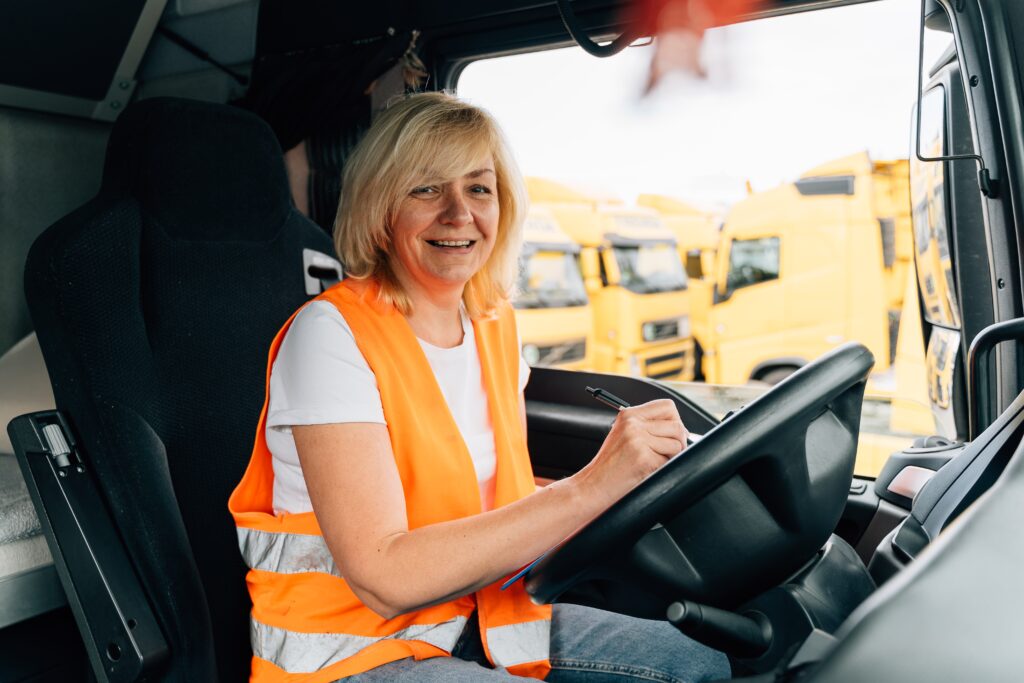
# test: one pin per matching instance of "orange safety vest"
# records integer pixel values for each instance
(306, 623)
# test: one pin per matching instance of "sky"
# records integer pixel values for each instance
(782, 96)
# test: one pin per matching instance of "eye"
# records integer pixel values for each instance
(481, 189)
(423, 190)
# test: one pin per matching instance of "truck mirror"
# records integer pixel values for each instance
(610, 274)
(594, 266)
(590, 263)
(694, 267)
(590, 266)
(723, 292)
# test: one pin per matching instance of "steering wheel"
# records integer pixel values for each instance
(739, 511)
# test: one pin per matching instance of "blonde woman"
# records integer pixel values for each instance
(390, 492)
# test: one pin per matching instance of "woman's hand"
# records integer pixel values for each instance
(642, 439)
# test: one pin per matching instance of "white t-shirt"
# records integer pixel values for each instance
(321, 377)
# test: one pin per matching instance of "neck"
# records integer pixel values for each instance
(435, 313)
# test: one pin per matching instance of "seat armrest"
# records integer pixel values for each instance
(120, 632)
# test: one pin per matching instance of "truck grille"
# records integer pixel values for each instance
(566, 352)
(670, 370)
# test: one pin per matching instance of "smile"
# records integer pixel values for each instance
(452, 244)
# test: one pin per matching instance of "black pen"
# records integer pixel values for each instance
(608, 398)
(611, 400)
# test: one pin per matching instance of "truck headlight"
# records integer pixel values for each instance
(684, 326)
(649, 331)
(531, 354)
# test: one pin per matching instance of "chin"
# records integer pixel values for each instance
(451, 278)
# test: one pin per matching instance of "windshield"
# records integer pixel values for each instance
(550, 279)
(649, 268)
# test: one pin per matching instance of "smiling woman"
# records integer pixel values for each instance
(390, 492)
(417, 174)
(443, 233)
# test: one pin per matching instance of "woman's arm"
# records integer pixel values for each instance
(357, 495)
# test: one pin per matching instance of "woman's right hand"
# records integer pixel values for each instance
(642, 439)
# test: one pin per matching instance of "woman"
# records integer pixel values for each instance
(389, 492)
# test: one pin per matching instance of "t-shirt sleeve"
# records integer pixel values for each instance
(320, 376)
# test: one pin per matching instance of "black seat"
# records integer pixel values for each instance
(155, 304)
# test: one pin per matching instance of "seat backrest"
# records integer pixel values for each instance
(155, 304)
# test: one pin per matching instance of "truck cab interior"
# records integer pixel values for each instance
(168, 181)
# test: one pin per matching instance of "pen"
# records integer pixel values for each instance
(610, 399)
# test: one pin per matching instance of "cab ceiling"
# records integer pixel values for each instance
(286, 25)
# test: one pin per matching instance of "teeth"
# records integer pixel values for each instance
(452, 243)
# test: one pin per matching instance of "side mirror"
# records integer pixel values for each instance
(724, 289)
(593, 274)
(724, 286)
(610, 274)
(721, 293)
(694, 265)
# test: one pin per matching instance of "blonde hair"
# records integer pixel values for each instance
(426, 135)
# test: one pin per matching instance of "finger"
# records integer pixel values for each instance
(664, 446)
(659, 409)
(667, 428)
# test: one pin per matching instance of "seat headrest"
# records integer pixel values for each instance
(201, 171)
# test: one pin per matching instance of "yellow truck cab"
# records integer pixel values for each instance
(635, 280)
(552, 308)
(890, 197)
(805, 267)
(696, 234)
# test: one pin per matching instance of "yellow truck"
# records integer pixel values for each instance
(696, 234)
(807, 266)
(552, 309)
(890, 197)
(636, 283)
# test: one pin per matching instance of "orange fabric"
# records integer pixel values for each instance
(439, 483)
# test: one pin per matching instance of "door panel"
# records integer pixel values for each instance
(566, 426)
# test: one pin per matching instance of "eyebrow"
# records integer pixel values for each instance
(430, 180)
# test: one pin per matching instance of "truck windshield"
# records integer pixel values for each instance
(550, 279)
(650, 268)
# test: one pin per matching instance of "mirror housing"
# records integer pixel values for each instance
(590, 266)
(721, 293)
(694, 265)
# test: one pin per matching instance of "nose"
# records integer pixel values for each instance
(456, 210)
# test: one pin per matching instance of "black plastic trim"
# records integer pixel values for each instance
(121, 635)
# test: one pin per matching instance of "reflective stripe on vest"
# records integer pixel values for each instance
(520, 643)
(304, 653)
(284, 553)
(307, 624)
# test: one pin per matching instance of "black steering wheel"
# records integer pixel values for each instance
(737, 512)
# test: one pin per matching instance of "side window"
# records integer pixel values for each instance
(753, 261)
(550, 277)
(650, 268)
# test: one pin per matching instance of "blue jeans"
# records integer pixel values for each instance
(587, 644)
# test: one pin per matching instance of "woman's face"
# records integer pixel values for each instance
(444, 230)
